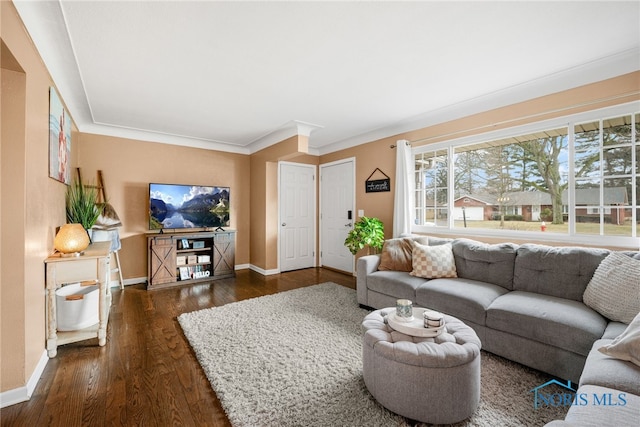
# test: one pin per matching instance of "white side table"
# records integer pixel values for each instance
(93, 264)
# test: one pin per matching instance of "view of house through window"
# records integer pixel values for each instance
(514, 183)
(522, 182)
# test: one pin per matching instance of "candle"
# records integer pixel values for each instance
(404, 309)
(433, 319)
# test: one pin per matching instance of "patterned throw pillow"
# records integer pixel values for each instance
(614, 289)
(432, 262)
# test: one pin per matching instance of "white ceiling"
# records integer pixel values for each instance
(239, 76)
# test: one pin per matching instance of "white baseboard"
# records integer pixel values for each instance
(22, 394)
(137, 280)
(127, 282)
(263, 271)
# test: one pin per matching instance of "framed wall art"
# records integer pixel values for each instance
(59, 139)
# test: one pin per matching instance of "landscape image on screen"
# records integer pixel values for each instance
(187, 206)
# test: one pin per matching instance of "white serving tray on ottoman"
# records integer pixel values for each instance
(414, 327)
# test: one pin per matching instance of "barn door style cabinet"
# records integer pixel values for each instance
(177, 259)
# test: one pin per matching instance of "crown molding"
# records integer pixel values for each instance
(288, 130)
(142, 135)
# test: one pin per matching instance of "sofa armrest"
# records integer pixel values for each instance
(365, 266)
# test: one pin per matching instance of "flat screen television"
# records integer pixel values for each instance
(187, 206)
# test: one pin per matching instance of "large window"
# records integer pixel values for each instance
(578, 177)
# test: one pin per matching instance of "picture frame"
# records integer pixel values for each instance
(59, 139)
(185, 274)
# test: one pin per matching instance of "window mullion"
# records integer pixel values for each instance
(450, 186)
(601, 199)
(634, 175)
(571, 185)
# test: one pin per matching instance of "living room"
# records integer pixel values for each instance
(130, 164)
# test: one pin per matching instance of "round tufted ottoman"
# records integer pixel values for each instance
(432, 380)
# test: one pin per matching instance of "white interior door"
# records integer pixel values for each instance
(337, 213)
(297, 216)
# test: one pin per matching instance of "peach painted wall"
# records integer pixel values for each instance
(12, 211)
(377, 154)
(128, 166)
(36, 201)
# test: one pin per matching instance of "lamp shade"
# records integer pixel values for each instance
(71, 238)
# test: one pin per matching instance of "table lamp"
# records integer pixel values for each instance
(71, 240)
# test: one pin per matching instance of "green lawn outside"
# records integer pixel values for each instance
(581, 228)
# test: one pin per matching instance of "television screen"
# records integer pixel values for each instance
(187, 206)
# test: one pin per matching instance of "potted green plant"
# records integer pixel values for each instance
(81, 204)
(366, 231)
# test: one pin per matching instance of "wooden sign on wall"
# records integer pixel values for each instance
(377, 185)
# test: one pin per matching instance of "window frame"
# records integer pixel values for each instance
(569, 122)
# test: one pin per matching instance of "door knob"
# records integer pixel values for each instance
(284, 224)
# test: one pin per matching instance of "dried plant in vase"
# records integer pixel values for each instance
(81, 205)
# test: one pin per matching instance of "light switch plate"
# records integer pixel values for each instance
(360, 213)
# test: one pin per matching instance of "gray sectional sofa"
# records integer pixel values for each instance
(525, 302)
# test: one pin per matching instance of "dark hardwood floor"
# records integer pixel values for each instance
(147, 374)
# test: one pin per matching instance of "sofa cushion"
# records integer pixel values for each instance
(396, 253)
(463, 298)
(614, 329)
(605, 371)
(398, 284)
(563, 323)
(615, 413)
(484, 262)
(614, 289)
(626, 346)
(432, 262)
(561, 272)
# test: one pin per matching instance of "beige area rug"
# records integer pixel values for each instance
(295, 359)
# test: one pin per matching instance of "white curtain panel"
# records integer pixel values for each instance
(403, 202)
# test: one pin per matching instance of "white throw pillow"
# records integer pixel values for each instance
(627, 345)
(614, 289)
(432, 262)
